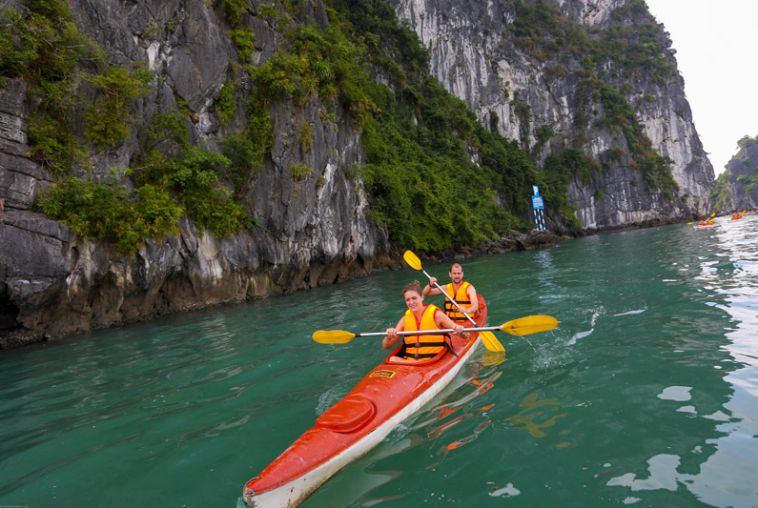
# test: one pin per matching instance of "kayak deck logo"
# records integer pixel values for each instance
(383, 373)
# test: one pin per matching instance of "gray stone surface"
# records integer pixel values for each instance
(743, 176)
(312, 231)
(474, 59)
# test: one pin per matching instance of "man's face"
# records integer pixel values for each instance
(456, 274)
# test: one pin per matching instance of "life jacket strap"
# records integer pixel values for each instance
(409, 351)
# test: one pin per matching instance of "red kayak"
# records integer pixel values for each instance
(394, 390)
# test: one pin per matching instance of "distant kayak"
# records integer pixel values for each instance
(394, 390)
(705, 224)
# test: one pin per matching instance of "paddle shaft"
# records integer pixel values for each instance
(430, 332)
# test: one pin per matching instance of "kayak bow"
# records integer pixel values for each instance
(393, 391)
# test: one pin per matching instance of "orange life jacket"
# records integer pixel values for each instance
(422, 346)
(461, 297)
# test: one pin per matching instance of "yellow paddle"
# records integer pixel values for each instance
(488, 338)
(521, 326)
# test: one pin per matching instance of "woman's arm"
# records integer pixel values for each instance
(392, 335)
(445, 322)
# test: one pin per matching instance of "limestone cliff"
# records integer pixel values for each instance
(547, 72)
(536, 72)
(737, 186)
(311, 231)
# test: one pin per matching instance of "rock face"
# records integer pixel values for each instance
(742, 176)
(312, 231)
(315, 229)
(476, 56)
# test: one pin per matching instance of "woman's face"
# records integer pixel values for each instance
(413, 300)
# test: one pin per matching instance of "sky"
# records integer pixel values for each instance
(716, 45)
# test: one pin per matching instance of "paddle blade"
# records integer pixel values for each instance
(529, 324)
(412, 260)
(491, 343)
(333, 336)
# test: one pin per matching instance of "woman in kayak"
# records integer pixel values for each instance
(420, 317)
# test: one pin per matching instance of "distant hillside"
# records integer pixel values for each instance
(737, 187)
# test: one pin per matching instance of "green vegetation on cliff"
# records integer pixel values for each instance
(67, 74)
(81, 102)
(737, 186)
(721, 196)
(111, 212)
(420, 142)
(44, 48)
(434, 176)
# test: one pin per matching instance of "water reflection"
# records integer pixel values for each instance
(722, 468)
(537, 414)
(727, 477)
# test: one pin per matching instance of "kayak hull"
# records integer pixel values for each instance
(389, 394)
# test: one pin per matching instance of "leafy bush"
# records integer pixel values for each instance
(111, 212)
(305, 137)
(52, 145)
(42, 44)
(193, 180)
(225, 103)
(322, 62)
(244, 159)
(234, 11)
(299, 171)
(244, 41)
(107, 122)
(165, 127)
(721, 195)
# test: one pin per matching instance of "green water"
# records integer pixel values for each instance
(646, 395)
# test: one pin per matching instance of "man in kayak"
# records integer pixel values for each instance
(462, 291)
(420, 317)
